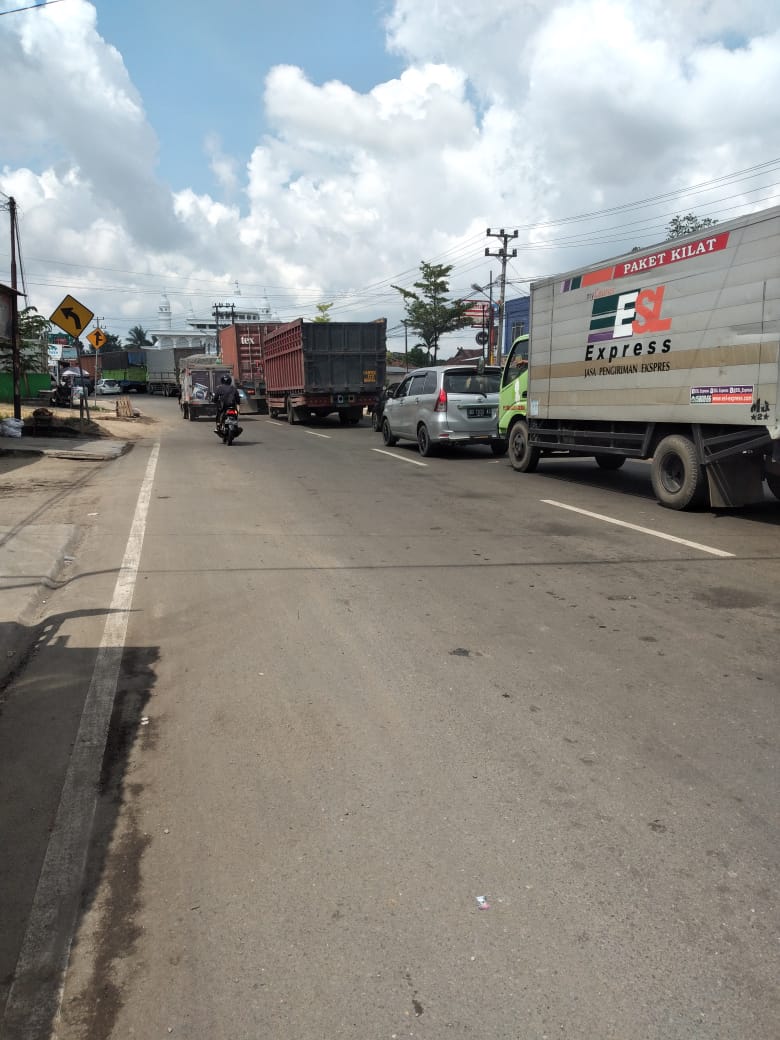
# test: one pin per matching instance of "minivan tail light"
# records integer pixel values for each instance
(441, 403)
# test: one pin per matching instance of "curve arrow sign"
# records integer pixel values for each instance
(71, 315)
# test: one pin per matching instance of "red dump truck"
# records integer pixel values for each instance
(317, 368)
(241, 347)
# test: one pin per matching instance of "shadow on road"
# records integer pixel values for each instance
(39, 726)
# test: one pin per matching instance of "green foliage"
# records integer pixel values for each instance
(137, 337)
(687, 224)
(34, 332)
(418, 357)
(113, 342)
(428, 312)
(323, 317)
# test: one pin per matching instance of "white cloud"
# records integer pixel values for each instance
(508, 114)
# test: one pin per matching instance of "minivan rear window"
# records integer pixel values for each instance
(471, 382)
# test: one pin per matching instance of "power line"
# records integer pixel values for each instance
(31, 7)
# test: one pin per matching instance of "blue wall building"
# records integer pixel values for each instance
(517, 320)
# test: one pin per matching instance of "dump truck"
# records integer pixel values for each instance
(670, 354)
(241, 347)
(200, 376)
(313, 369)
(162, 369)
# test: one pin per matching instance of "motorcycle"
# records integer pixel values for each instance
(229, 428)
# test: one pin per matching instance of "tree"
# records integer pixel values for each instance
(687, 224)
(34, 332)
(138, 337)
(111, 342)
(323, 317)
(428, 312)
(418, 357)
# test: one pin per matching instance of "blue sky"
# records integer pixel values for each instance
(200, 66)
(318, 153)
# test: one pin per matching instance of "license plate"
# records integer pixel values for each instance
(479, 413)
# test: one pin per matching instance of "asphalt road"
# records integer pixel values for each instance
(362, 692)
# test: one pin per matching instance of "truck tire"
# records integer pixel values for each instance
(192, 415)
(292, 418)
(184, 412)
(343, 417)
(390, 439)
(610, 462)
(773, 483)
(679, 481)
(522, 456)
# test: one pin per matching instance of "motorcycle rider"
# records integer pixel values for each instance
(225, 396)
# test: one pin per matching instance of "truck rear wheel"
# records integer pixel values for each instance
(522, 456)
(610, 461)
(773, 483)
(678, 478)
(292, 418)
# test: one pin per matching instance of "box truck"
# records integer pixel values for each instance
(669, 354)
(162, 369)
(200, 376)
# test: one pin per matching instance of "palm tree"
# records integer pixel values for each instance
(138, 337)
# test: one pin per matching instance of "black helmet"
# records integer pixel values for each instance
(226, 380)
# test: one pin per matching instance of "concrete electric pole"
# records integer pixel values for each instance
(503, 255)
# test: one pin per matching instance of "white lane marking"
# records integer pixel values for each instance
(636, 527)
(311, 433)
(401, 458)
(36, 993)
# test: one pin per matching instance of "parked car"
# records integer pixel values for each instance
(449, 404)
(379, 410)
(107, 386)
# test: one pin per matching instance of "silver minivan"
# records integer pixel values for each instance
(448, 404)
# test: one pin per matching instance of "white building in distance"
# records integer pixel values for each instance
(200, 333)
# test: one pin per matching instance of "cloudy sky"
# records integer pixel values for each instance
(317, 153)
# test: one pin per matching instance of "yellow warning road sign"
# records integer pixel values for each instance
(72, 317)
(97, 338)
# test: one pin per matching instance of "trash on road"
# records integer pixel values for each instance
(482, 903)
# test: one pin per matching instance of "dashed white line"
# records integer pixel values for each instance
(37, 988)
(401, 458)
(642, 530)
(311, 433)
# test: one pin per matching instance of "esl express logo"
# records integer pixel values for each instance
(634, 318)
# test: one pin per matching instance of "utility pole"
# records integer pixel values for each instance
(15, 345)
(217, 307)
(503, 255)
